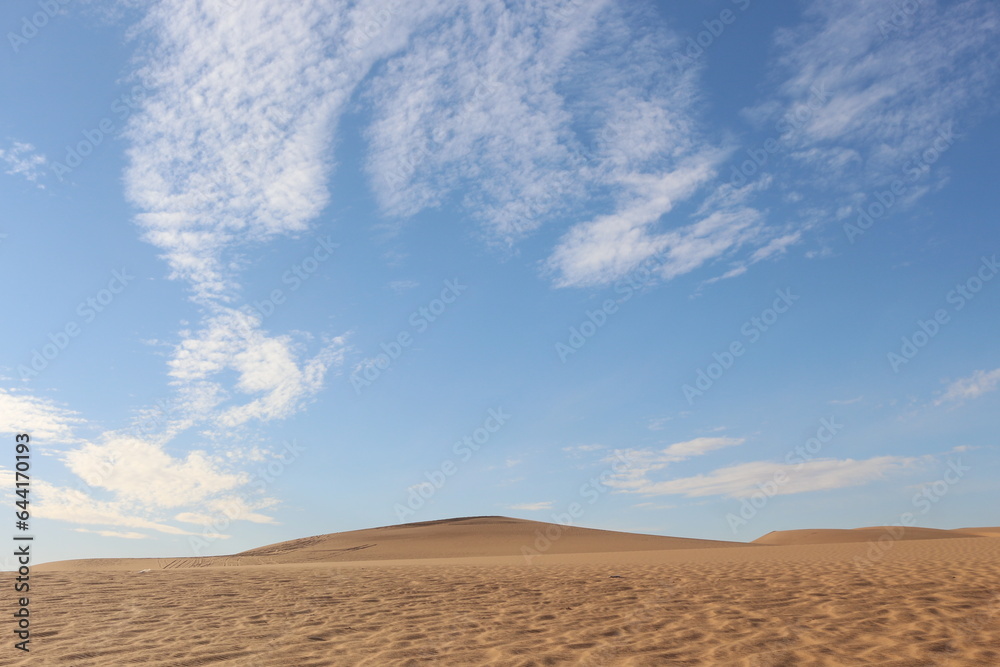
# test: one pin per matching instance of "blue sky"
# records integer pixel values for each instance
(706, 270)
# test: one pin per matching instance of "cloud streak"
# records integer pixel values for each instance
(532, 507)
(974, 386)
(743, 480)
(21, 159)
(646, 461)
(42, 418)
(888, 92)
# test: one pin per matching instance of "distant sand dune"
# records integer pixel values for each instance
(836, 535)
(982, 532)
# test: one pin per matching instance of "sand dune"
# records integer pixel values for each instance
(470, 536)
(982, 532)
(490, 536)
(916, 601)
(872, 533)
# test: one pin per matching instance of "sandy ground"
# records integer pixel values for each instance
(911, 601)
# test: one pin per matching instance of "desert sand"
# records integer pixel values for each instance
(463, 592)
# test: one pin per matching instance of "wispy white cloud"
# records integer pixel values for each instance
(475, 102)
(642, 462)
(743, 480)
(268, 366)
(654, 506)
(534, 144)
(532, 507)
(974, 386)
(583, 448)
(776, 246)
(196, 517)
(766, 249)
(130, 535)
(845, 401)
(684, 450)
(608, 247)
(580, 449)
(228, 508)
(861, 102)
(21, 159)
(41, 418)
(863, 94)
(658, 423)
(77, 506)
(231, 146)
(400, 286)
